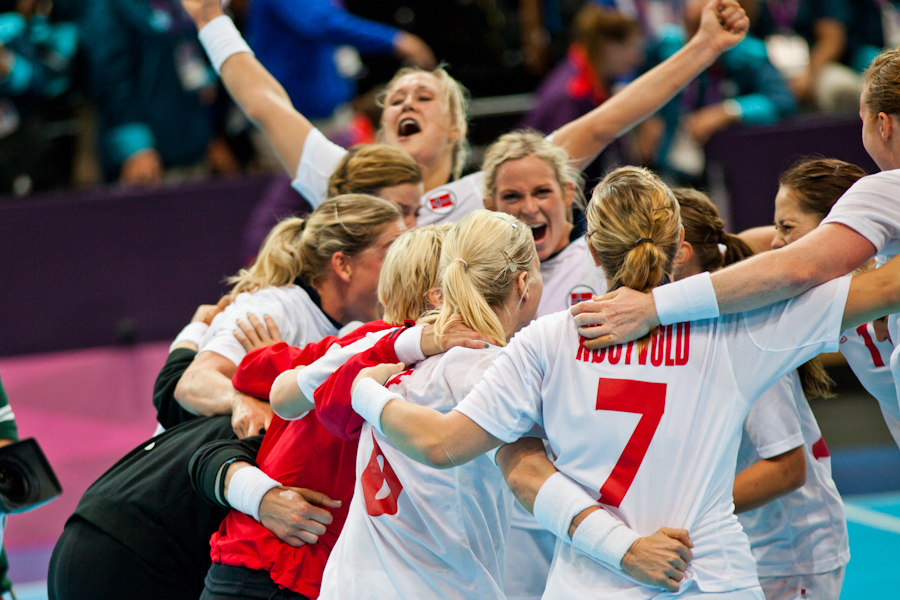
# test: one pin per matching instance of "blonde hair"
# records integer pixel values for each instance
(369, 168)
(704, 231)
(519, 144)
(302, 248)
(411, 270)
(480, 262)
(456, 98)
(882, 83)
(634, 226)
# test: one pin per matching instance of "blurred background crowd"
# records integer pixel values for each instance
(119, 92)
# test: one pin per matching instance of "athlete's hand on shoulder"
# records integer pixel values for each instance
(297, 516)
(723, 24)
(660, 559)
(380, 373)
(457, 335)
(202, 11)
(615, 318)
(250, 416)
(257, 333)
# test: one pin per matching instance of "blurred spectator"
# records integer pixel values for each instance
(311, 47)
(653, 15)
(742, 86)
(154, 92)
(35, 73)
(606, 45)
(818, 48)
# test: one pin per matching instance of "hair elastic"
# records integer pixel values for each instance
(509, 262)
(643, 240)
(465, 265)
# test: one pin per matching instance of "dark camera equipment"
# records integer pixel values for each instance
(26, 479)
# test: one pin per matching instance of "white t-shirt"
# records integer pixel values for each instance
(655, 430)
(299, 320)
(570, 276)
(448, 203)
(804, 532)
(870, 361)
(417, 532)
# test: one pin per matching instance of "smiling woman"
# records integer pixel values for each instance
(425, 110)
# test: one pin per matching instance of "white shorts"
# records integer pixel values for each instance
(818, 586)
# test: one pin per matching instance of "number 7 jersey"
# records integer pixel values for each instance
(653, 429)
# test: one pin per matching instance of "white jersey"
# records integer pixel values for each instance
(448, 203)
(300, 321)
(804, 532)
(654, 431)
(870, 361)
(570, 276)
(417, 532)
(871, 208)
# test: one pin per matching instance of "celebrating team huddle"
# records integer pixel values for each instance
(461, 397)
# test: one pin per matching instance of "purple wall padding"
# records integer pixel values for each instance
(752, 158)
(116, 265)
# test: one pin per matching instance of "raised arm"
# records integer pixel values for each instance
(830, 251)
(254, 90)
(723, 25)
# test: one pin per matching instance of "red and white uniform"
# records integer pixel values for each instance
(654, 431)
(870, 361)
(417, 532)
(448, 203)
(299, 453)
(871, 208)
(570, 276)
(804, 532)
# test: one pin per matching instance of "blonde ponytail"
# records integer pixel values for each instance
(298, 248)
(634, 226)
(480, 263)
(411, 269)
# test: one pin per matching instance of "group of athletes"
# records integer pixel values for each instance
(409, 352)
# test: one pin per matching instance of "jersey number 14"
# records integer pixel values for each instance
(646, 399)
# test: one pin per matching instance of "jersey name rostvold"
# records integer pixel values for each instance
(653, 428)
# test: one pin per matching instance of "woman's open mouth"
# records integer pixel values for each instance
(539, 232)
(408, 127)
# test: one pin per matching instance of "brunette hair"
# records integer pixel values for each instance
(882, 83)
(819, 182)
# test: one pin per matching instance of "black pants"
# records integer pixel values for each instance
(224, 582)
(88, 564)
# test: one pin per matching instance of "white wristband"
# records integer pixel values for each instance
(369, 398)
(192, 332)
(558, 502)
(247, 488)
(408, 346)
(690, 299)
(221, 39)
(604, 538)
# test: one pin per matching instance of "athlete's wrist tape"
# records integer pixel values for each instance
(369, 399)
(247, 488)
(221, 39)
(408, 346)
(604, 538)
(291, 375)
(192, 332)
(690, 299)
(558, 502)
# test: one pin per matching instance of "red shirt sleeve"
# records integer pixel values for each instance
(260, 367)
(332, 398)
